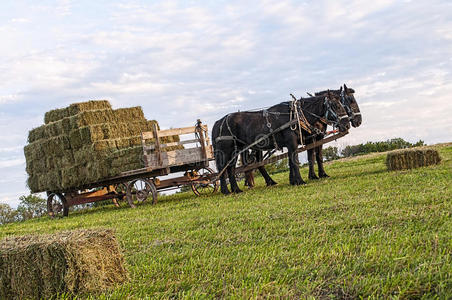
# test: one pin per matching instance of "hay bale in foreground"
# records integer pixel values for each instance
(41, 266)
(412, 158)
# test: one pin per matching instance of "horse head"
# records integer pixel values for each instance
(349, 102)
(335, 112)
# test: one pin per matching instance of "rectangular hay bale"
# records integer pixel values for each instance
(55, 115)
(412, 158)
(79, 107)
(73, 262)
(74, 109)
(37, 133)
(129, 114)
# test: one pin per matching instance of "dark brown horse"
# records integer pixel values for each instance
(350, 105)
(273, 128)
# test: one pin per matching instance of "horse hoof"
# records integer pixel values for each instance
(226, 193)
(300, 182)
(272, 183)
(238, 191)
(324, 175)
(313, 177)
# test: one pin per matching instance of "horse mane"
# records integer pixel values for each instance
(326, 91)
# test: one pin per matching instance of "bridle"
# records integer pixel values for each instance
(330, 116)
(346, 105)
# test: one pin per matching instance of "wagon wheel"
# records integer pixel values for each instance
(139, 190)
(121, 190)
(206, 186)
(57, 205)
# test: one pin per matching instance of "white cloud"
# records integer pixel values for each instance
(11, 149)
(11, 163)
(9, 98)
(20, 20)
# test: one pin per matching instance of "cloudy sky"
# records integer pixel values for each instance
(183, 60)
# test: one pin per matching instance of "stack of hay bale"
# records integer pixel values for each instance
(83, 144)
(412, 158)
(75, 262)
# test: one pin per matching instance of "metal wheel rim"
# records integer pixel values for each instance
(121, 188)
(200, 189)
(140, 190)
(55, 205)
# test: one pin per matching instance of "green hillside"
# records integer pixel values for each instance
(363, 232)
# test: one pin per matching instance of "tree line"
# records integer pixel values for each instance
(30, 206)
(332, 153)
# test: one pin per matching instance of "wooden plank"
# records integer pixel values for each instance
(143, 141)
(83, 200)
(202, 140)
(156, 171)
(152, 146)
(210, 152)
(177, 131)
(174, 158)
(147, 135)
(157, 144)
(163, 184)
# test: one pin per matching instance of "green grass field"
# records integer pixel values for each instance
(363, 232)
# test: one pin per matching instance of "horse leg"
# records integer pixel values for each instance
(249, 179)
(294, 164)
(291, 176)
(234, 186)
(221, 158)
(223, 185)
(268, 180)
(319, 158)
(312, 174)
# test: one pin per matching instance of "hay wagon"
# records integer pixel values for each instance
(135, 186)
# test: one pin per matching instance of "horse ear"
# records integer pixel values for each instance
(345, 87)
(340, 90)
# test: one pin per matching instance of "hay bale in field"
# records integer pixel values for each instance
(75, 262)
(412, 158)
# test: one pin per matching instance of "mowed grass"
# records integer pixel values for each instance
(363, 232)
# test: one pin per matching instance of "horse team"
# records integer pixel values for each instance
(284, 125)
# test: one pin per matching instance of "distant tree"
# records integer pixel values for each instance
(370, 147)
(330, 153)
(7, 214)
(350, 151)
(31, 206)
